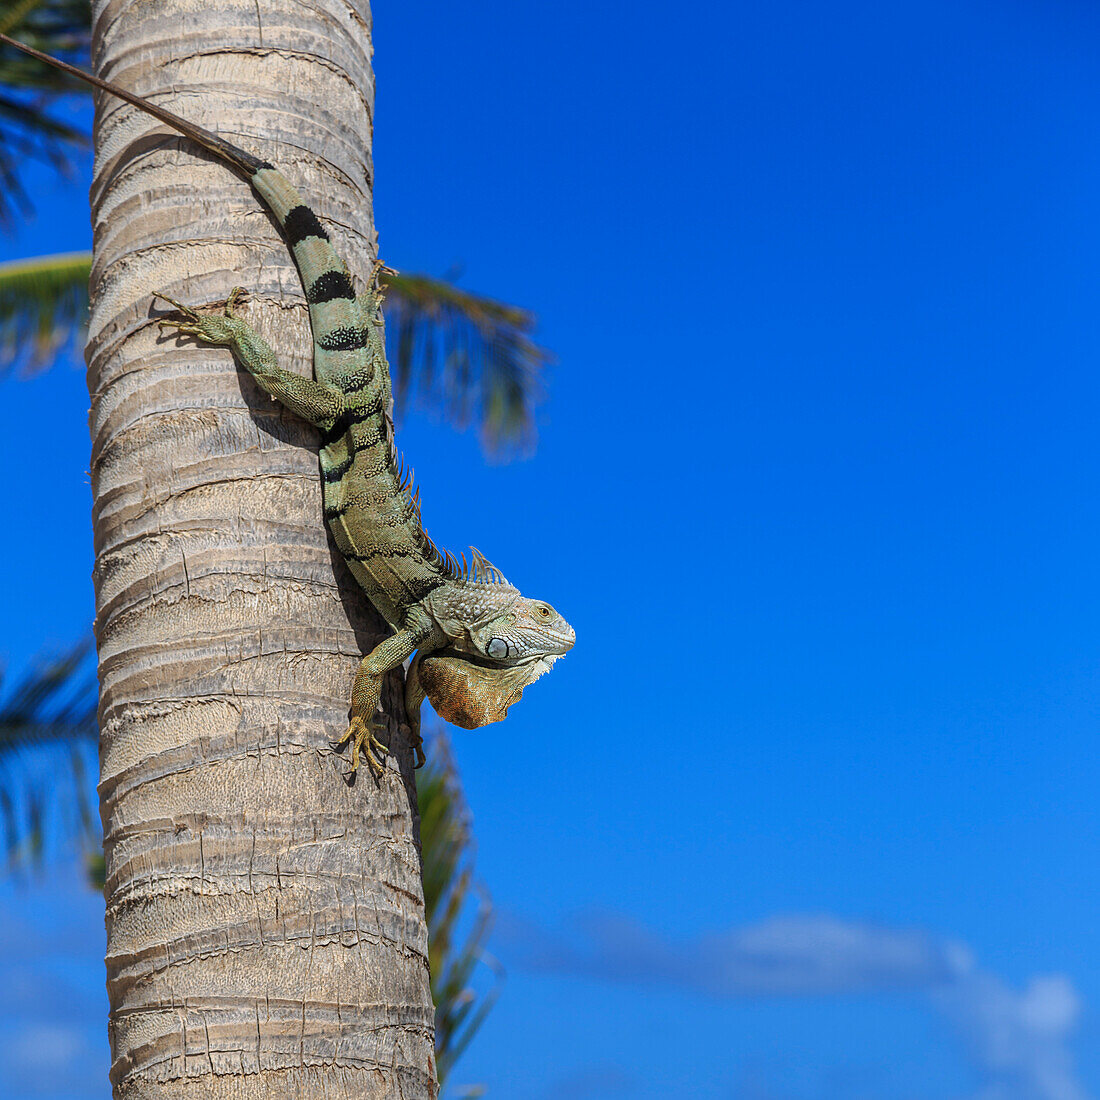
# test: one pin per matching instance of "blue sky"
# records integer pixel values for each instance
(810, 811)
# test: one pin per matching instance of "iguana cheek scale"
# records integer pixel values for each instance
(477, 641)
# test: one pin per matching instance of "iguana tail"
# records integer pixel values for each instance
(244, 161)
(338, 326)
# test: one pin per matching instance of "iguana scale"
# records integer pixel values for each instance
(477, 641)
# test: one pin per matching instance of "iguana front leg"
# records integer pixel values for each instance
(414, 698)
(366, 692)
(314, 401)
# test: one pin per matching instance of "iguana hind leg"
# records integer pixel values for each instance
(314, 401)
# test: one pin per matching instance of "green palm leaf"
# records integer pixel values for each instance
(471, 357)
(43, 308)
(48, 730)
(456, 937)
(468, 356)
(28, 130)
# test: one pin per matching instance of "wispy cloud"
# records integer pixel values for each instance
(44, 1049)
(53, 1013)
(1017, 1039)
(591, 1083)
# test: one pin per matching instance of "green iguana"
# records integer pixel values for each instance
(477, 641)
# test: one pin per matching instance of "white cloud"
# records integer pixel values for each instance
(1017, 1040)
(53, 1012)
(590, 1083)
(42, 1048)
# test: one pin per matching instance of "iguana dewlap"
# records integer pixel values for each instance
(472, 695)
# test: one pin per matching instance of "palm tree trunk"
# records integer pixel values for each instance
(265, 921)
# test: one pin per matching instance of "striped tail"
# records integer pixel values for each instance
(340, 328)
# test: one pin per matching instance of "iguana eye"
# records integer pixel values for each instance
(543, 611)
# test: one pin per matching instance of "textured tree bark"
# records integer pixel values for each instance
(265, 921)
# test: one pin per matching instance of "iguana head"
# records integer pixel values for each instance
(522, 632)
(500, 642)
(486, 617)
(502, 627)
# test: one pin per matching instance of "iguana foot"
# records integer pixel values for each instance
(418, 748)
(211, 328)
(379, 267)
(361, 734)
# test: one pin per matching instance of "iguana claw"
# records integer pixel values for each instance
(361, 734)
(180, 327)
(212, 328)
(233, 299)
(187, 311)
(417, 746)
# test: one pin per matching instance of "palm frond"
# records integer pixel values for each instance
(47, 726)
(43, 308)
(48, 722)
(467, 355)
(464, 354)
(58, 27)
(459, 911)
(16, 13)
(28, 130)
